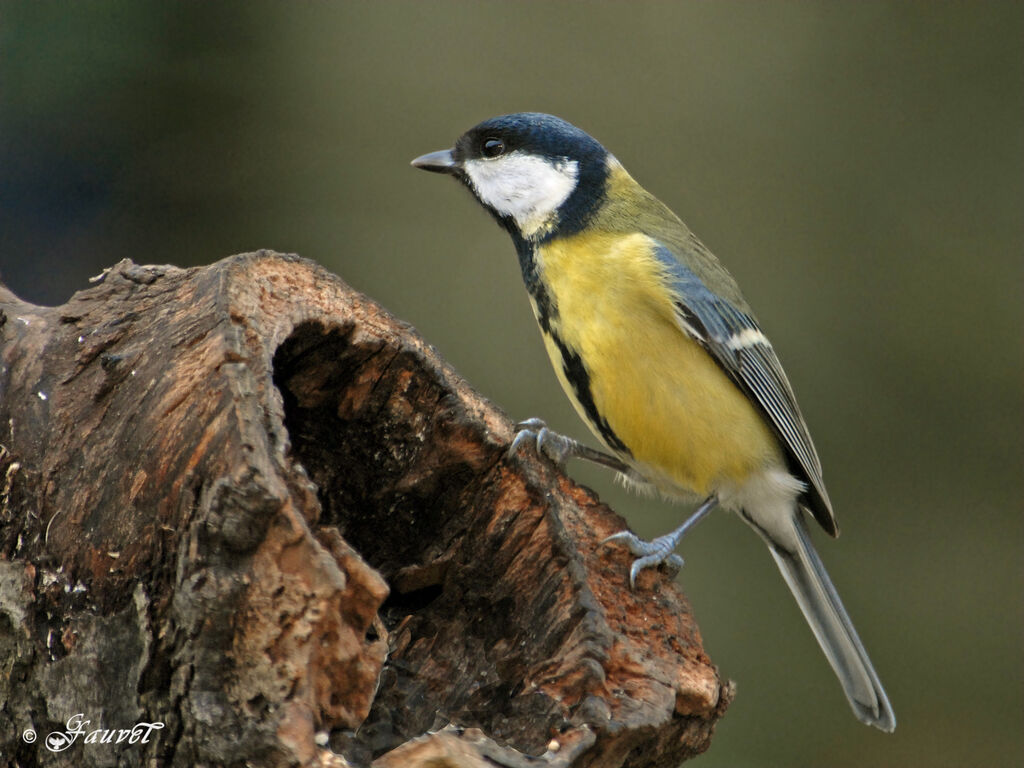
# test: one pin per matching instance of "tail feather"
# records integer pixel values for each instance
(805, 574)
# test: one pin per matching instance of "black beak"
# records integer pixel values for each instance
(438, 162)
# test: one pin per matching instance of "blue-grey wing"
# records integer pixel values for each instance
(736, 342)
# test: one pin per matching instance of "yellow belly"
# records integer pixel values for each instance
(687, 425)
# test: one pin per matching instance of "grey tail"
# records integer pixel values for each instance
(813, 590)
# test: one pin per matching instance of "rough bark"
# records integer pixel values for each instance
(245, 502)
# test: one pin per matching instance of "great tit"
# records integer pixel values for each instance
(663, 359)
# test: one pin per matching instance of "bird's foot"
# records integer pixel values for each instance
(559, 448)
(650, 553)
(660, 550)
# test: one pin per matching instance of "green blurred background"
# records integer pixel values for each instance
(858, 166)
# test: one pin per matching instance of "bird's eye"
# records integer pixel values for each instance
(493, 147)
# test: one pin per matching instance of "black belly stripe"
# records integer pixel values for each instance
(572, 364)
(577, 376)
(534, 285)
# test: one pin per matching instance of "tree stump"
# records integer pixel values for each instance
(244, 505)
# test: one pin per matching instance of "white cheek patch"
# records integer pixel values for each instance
(526, 187)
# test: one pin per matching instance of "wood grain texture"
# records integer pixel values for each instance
(245, 501)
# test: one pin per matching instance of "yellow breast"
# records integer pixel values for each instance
(687, 426)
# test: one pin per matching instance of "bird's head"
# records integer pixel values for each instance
(537, 174)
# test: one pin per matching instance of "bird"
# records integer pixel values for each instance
(662, 358)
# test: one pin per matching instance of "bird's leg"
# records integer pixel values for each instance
(559, 448)
(660, 550)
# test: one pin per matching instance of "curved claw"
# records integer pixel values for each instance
(650, 553)
(522, 436)
(634, 543)
(674, 562)
(560, 448)
(660, 550)
(557, 448)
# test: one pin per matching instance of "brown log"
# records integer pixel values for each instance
(245, 502)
